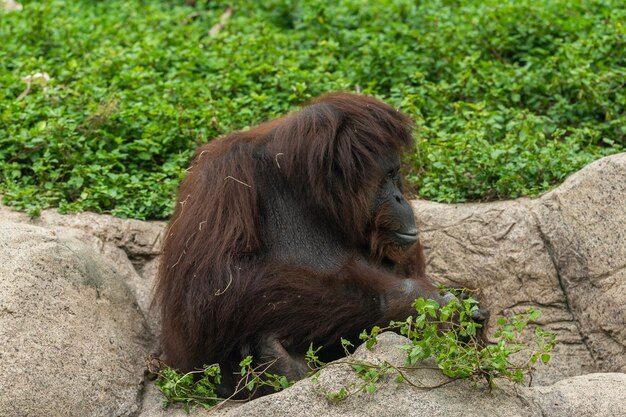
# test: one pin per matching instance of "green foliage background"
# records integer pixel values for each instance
(509, 96)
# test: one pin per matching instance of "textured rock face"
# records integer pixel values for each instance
(564, 253)
(498, 249)
(581, 396)
(584, 226)
(73, 340)
(132, 246)
(76, 324)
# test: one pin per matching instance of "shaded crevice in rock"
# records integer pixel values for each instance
(533, 303)
(144, 388)
(562, 285)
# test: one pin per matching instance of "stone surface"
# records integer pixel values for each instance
(73, 339)
(584, 225)
(131, 245)
(152, 405)
(76, 323)
(584, 396)
(591, 395)
(497, 249)
(564, 253)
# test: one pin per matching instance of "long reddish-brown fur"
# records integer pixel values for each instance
(273, 234)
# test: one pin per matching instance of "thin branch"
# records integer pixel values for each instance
(228, 12)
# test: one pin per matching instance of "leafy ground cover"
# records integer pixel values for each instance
(509, 96)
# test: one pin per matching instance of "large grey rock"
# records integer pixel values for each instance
(563, 253)
(583, 223)
(497, 249)
(74, 341)
(131, 245)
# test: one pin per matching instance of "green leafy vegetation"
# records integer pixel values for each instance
(199, 388)
(448, 336)
(440, 337)
(509, 96)
(189, 390)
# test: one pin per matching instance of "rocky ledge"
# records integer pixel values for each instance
(76, 324)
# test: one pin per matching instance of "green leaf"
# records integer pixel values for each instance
(534, 314)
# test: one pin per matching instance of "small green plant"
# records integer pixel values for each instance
(446, 336)
(189, 389)
(253, 378)
(199, 388)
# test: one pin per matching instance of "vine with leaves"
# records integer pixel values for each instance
(447, 336)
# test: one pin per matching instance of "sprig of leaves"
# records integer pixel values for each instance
(448, 336)
(199, 388)
(190, 389)
(254, 377)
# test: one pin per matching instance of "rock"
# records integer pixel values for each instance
(497, 249)
(152, 405)
(73, 340)
(563, 253)
(133, 247)
(583, 223)
(589, 395)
